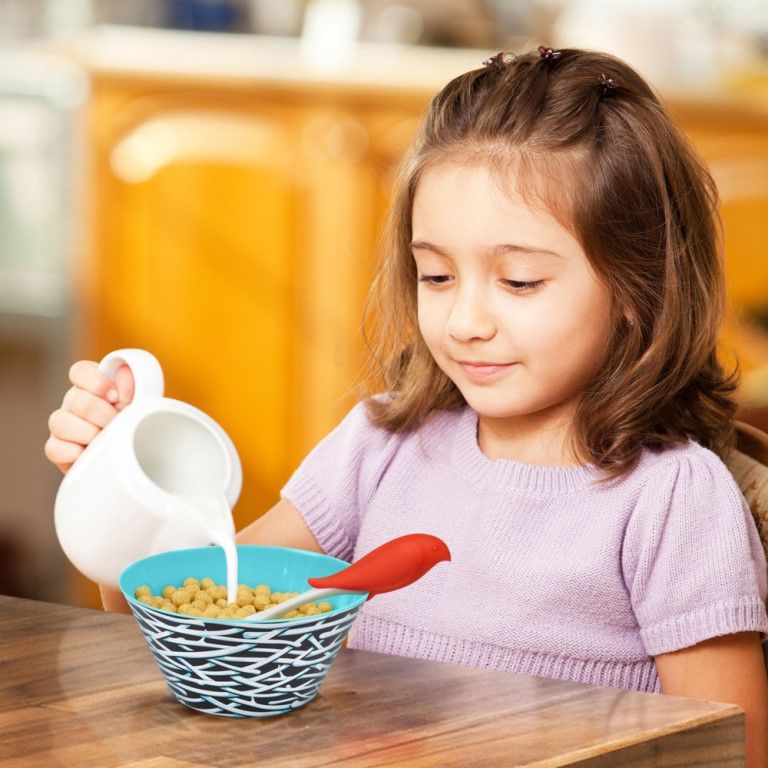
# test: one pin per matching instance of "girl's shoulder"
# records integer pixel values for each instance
(687, 474)
(359, 452)
(358, 434)
(686, 456)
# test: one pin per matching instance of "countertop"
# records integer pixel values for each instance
(244, 58)
(80, 688)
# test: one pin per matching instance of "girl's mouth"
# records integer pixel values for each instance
(483, 370)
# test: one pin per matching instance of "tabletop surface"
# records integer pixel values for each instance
(80, 688)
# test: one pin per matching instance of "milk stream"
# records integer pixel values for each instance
(216, 516)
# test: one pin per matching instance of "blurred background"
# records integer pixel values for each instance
(207, 179)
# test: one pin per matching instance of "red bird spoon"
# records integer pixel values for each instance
(393, 565)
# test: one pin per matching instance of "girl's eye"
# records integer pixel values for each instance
(434, 279)
(520, 286)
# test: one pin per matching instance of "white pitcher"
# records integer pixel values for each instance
(127, 494)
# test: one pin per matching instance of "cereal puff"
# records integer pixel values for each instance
(203, 598)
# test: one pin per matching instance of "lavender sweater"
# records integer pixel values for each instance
(551, 575)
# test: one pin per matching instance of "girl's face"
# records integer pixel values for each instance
(508, 303)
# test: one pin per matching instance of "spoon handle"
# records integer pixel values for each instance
(274, 611)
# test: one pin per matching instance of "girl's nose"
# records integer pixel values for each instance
(470, 318)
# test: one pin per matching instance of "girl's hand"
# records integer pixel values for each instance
(91, 403)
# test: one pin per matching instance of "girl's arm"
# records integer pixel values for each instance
(281, 526)
(728, 669)
(112, 600)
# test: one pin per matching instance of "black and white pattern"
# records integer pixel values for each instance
(241, 669)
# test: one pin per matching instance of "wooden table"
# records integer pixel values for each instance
(80, 688)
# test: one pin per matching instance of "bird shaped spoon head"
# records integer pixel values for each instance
(393, 565)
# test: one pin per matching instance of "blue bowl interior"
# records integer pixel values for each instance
(282, 568)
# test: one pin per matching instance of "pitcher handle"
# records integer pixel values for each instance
(146, 370)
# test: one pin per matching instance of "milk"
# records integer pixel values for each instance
(214, 512)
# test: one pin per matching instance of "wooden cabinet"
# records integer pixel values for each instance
(234, 234)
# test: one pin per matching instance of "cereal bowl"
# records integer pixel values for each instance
(233, 667)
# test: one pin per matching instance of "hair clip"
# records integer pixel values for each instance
(549, 54)
(500, 60)
(607, 84)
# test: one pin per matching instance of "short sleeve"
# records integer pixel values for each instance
(332, 486)
(692, 558)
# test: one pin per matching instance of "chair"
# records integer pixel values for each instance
(748, 463)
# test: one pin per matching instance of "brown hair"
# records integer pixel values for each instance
(645, 215)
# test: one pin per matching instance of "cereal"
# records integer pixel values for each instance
(204, 598)
(244, 596)
(218, 592)
(180, 597)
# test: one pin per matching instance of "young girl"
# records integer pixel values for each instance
(548, 303)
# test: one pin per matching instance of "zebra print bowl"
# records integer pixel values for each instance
(237, 668)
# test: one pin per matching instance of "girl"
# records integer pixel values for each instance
(548, 303)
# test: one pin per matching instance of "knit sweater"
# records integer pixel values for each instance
(551, 574)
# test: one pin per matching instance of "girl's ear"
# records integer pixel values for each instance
(629, 316)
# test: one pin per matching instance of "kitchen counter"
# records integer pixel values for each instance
(241, 59)
(80, 688)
